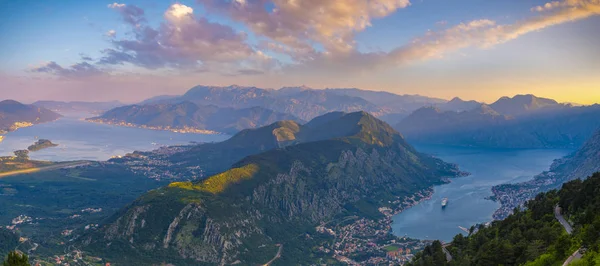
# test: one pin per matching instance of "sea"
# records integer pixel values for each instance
(78, 139)
(467, 203)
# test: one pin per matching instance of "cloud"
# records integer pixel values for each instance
(298, 25)
(182, 41)
(111, 33)
(481, 34)
(316, 35)
(78, 70)
(131, 14)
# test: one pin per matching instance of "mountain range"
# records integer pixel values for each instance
(337, 165)
(303, 102)
(14, 115)
(524, 121)
(188, 115)
(78, 106)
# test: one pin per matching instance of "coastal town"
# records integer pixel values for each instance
(363, 241)
(157, 165)
(512, 196)
(183, 129)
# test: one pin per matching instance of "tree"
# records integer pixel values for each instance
(16, 258)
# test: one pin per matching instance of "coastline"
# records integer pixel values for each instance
(176, 130)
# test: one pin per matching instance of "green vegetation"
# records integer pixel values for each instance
(41, 144)
(99, 186)
(16, 259)
(346, 167)
(20, 162)
(219, 182)
(8, 241)
(533, 236)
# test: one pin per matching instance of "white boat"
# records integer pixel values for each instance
(444, 202)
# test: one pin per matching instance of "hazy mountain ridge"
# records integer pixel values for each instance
(531, 122)
(78, 106)
(187, 115)
(304, 102)
(14, 115)
(273, 197)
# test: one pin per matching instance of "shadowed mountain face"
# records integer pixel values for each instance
(14, 114)
(459, 105)
(551, 126)
(524, 104)
(337, 165)
(187, 115)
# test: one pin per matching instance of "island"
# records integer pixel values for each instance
(41, 144)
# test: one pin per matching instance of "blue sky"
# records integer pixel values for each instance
(503, 48)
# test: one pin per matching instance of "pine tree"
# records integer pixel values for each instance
(15, 258)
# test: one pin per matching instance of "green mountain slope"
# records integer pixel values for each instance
(347, 167)
(532, 236)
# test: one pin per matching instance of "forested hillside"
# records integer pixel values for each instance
(533, 236)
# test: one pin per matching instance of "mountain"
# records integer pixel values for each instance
(485, 126)
(14, 115)
(532, 236)
(583, 162)
(338, 167)
(433, 124)
(158, 99)
(90, 107)
(394, 102)
(459, 105)
(190, 116)
(524, 104)
(304, 102)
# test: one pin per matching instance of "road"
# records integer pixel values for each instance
(45, 168)
(561, 220)
(448, 255)
(277, 256)
(577, 254)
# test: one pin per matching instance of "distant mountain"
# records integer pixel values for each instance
(393, 102)
(158, 99)
(560, 127)
(448, 126)
(580, 164)
(304, 102)
(524, 104)
(190, 116)
(459, 105)
(337, 167)
(14, 115)
(90, 107)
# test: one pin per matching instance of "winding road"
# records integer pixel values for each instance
(577, 254)
(277, 256)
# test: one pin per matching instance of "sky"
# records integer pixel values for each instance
(132, 50)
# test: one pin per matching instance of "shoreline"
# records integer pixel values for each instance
(186, 130)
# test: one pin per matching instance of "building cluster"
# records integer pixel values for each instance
(158, 164)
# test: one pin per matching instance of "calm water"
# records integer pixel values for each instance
(78, 139)
(467, 204)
